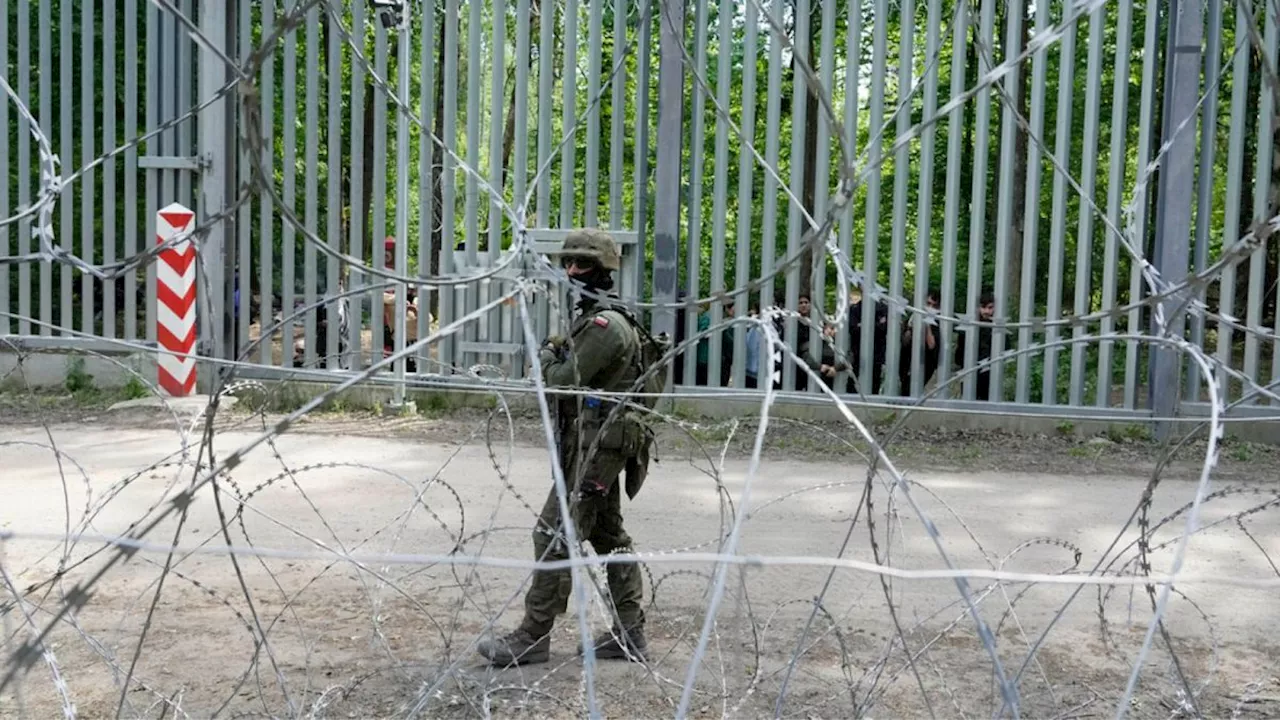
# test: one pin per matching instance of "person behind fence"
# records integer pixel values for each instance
(986, 311)
(930, 348)
(605, 350)
(389, 310)
(824, 362)
(879, 344)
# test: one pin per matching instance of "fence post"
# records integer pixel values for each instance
(1173, 210)
(215, 124)
(175, 303)
(666, 226)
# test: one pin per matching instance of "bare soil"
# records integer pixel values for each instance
(398, 640)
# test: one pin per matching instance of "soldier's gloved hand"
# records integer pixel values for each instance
(593, 488)
(555, 342)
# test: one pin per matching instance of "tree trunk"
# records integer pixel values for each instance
(436, 155)
(969, 156)
(1272, 268)
(1013, 271)
(509, 132)
(1247, 205)
(344, 178)
(366, 172)
(808, 193)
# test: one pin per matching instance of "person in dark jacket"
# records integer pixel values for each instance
(930, 349)
(986, 311)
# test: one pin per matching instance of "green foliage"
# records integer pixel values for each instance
(78, 380)
(134, 389)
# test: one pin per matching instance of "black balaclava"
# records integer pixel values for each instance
(599, 280)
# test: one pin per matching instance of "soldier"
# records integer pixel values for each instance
(603, 352)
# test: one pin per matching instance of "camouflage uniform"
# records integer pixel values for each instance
(602, 352)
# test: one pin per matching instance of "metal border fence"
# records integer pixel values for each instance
(1001, 151)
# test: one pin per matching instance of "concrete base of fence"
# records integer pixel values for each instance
(287, 395)
(51, 362)
(55, 361)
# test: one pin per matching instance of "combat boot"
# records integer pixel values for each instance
(519, 647)
(619, 645)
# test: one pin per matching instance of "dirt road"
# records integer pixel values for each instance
(397, 631)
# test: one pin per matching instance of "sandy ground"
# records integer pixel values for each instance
(395, 632)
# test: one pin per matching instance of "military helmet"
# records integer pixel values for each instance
(595, 244)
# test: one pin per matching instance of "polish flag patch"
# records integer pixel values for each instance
(601, 320)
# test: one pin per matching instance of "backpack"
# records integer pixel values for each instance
(652, 350)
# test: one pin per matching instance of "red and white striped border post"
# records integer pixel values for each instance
(176, 303)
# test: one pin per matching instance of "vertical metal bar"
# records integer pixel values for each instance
(1115, 187)
(520, 159)
(1182, 88)
(109, 142)
(1005, 200)
(853, 62)
(289, 192)
(773, 123)
(1204, 188)
(1266, 172)
(667, 172)
(498, 63)
(333, 194)
(720, 184)
(697, 166)
(66, 154)
(640, 222)
(378, 225)
(427, 175)
(1031, 217)
(546, 100)
(184, 81)
(243, 261)
(468, 295)
(746, 183)
(8, 173)
(1145, 123)
(449, 175)
(213, 184)
(978, 216)
(228, 158)
(266, 213)
(871, 246)
(88, 60)
(46, 128)
(310, 207)
(1261, 196)
(924, 232)
(795, 227)
(130, 165)
(1088, 182)
(595, 53)
(617, 120)
(404, 64)
(546, 86)
(1058, 223)
(901, 176)
(822, 181)
(161, 76)
(155, 146)
(355, 227)
(951, 205)
(474, 94)
(24, 164)
(568, 162)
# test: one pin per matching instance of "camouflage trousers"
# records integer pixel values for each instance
(596, 507)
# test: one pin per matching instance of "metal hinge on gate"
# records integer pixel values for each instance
(197, 163)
